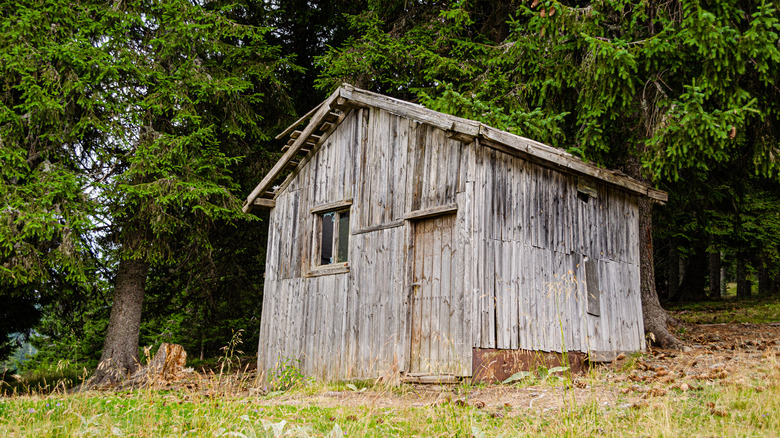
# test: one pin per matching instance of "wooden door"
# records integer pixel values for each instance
(437, 299)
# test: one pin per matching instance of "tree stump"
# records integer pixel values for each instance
(167, 366)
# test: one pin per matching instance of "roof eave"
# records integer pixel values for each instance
(463, 129)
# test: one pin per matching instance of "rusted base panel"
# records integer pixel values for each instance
(494, 365)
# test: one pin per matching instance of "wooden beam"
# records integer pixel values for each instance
(428, 212)
(269, 179)
(332, 206)
(263, 202)
(341, 103)
(461, 137)
(658, 195)
(301, 151)
(543, 154)
(464, 129)
(312, 139)
(336, 268)
(384, 226)
(313, 151)
(430, 378)
(414, 111)
(299, 121)
(332, 117)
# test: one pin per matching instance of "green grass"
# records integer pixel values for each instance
(747, 409)
(43, 380)
(753, 310)
(745, 404)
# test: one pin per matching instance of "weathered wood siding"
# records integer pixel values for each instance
(520, 230)
(354, 324)
(528, 272)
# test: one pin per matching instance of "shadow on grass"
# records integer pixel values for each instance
(755, 310)
(41, 381)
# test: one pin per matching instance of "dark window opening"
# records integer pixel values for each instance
(326, 245)
(343, 237)
(334, 238)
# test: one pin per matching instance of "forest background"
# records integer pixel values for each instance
(131, 131)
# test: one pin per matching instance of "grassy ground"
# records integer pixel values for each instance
(725, 383)
(728, 310)
(711, 411)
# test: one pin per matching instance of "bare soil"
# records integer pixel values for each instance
(713, 354)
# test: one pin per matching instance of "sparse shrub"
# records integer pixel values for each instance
(286, 375)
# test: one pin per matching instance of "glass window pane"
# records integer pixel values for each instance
(343, 250)
(326, 244)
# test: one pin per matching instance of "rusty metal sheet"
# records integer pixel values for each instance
(495, 365)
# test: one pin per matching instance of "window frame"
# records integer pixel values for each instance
(336, 208)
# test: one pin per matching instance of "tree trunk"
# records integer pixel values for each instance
(714, 262)
(743, 285)
(774, 275)
(655, 317)
(763, 277)
(775, 289)
(693, 285)
(120, 349)
(674, 270)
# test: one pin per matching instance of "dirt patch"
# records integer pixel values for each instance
(729, 354)
(713, 354)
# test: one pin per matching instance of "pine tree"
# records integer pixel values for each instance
(138, 110)
(659, 89)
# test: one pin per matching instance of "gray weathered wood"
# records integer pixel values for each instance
(265, 203)
(269, 179)
(331, 206)
(433, 211)
(451, 126)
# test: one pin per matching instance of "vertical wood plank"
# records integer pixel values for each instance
(447, 308)
(380, 297)
(401, 169)
(417, 295)
(434, 294)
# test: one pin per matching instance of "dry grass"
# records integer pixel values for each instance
(695, 393)
(725, 383)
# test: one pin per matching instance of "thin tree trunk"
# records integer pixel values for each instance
(674, 270)
(743, 285)
(775, 274)
(714, 262)
(775, 285)
(763, 277)
(120, 349)
(693, 285)
(654, 316)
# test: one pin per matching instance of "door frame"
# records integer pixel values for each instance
(411, 221)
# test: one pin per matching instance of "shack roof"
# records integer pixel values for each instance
(328, 114)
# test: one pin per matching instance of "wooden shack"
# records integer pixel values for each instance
(404, 241)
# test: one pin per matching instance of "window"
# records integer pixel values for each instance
(334, 237)
(330, 240)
